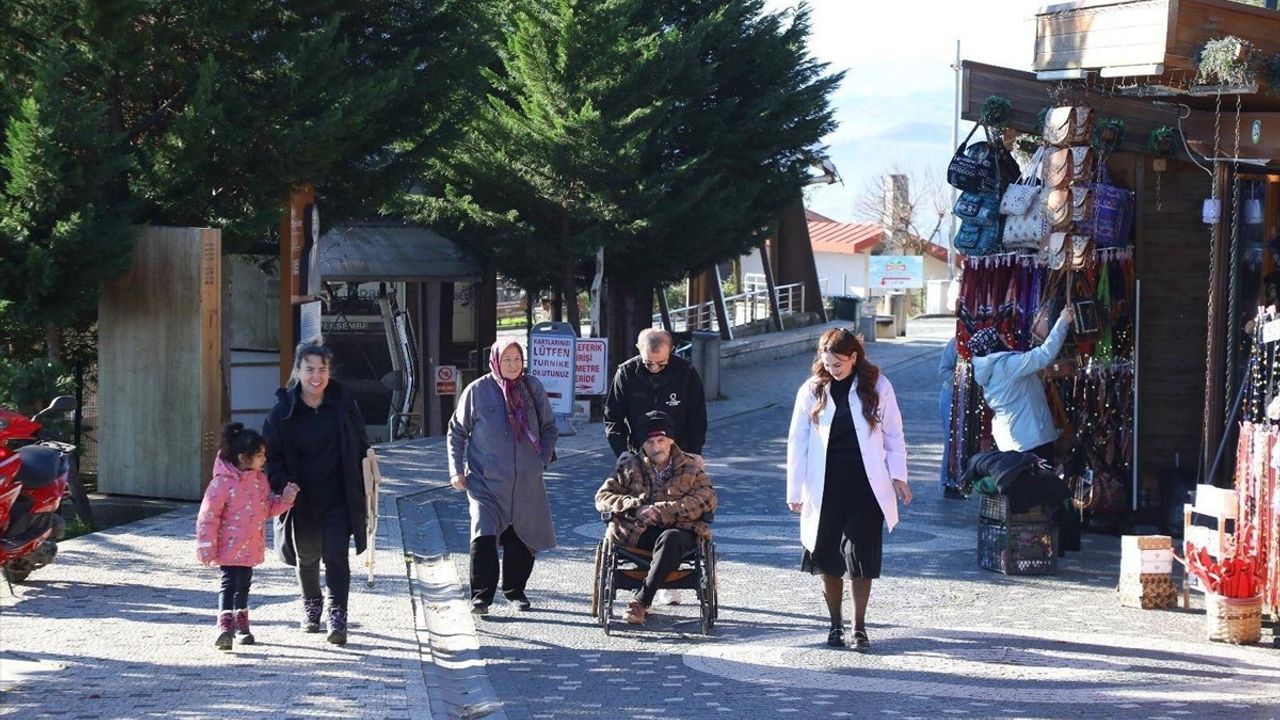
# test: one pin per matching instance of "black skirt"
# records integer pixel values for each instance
(851, 524)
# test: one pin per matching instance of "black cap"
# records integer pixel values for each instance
(657, 423)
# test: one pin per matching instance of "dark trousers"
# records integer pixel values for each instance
(235, 587)
(324, 536)
(669, 545)
(1067, 519)
(517, 565)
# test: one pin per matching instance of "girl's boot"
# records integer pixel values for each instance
(242, 626)
(226, 630)
(311, 610)
(337, 625)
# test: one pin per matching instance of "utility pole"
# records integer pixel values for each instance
(955, 142)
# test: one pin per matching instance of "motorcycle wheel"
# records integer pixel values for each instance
(15, 575)
(79, 498)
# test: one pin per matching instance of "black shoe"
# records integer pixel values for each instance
(835, 638)
(520, 600)
(479, 607)
(860, 641)
(952, 494)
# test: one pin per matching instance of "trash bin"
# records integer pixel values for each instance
(847, 307)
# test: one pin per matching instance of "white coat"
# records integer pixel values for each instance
(884, 454)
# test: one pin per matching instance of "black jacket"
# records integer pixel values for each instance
(677, 391)
(1020, 476)
(280, 430)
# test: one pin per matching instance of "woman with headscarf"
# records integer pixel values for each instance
(501, 438)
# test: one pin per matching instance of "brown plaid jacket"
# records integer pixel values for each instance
(681, 500)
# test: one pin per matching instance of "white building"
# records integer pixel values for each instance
(841, 252)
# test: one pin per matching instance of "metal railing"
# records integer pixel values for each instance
(743, 309)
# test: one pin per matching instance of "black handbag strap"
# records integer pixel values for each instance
(965, 142)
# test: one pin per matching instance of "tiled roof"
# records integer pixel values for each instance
(829, 236)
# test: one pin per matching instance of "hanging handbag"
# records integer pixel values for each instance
(1081, 203)
(976, 240)
(1081, 164)
(1112, 212)
(967, 172)
(977, 208)
(1019, 196)
(1057, 209)
(1068, 125)
(1026, 231)
(1056, 169)
(1053, 251)
(1059, 369)
(1042, 320)
(1081, 252)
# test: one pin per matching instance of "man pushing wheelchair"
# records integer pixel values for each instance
(657, 499)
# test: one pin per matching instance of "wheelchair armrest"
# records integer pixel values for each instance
(709, 517)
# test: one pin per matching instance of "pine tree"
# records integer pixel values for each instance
(669, 133)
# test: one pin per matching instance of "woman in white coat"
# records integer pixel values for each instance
(846, 472)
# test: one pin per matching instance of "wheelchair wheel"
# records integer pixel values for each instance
(715, 586)
(608, 562)
(595, 584)
(706, 588)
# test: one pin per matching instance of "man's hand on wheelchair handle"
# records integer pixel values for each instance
(459, 482)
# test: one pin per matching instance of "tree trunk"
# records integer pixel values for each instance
(557, 306)
(629, 311)
(570, 293)
(53, 341)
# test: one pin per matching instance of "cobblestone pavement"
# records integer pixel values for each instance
(949, 639)
(122, 626)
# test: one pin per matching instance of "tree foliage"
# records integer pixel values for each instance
(206, 113)
(668, 133)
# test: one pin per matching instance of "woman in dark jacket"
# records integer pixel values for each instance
(316, 438)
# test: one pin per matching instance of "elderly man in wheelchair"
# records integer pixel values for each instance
(657, 501)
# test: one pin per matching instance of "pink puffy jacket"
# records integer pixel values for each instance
(231, 528)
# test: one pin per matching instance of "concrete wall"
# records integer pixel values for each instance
(160, 358)
(251, 299)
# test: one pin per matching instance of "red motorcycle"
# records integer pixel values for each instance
(36, 474)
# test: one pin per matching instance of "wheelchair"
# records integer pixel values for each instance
(625, 568)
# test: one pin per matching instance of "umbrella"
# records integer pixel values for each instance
(372, 481)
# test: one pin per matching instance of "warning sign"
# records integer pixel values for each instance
(447, 380)
(592, 361)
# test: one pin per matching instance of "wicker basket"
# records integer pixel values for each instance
(1233, 620)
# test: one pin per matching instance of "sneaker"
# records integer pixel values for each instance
(312, 608)
(479, 607)
(667, 597)
(860, 641)
(520, 601)
(835, 638)
(337, 625)
(636, 613)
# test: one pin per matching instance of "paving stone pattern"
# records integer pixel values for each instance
(949, 638)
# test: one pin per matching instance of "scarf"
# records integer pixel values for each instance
(517, 417)
(985, 341)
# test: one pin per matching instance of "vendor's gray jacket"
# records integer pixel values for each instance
(504, 477)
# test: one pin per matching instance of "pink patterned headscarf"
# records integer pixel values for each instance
(517, 417)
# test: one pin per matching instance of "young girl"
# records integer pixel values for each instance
(231, 528)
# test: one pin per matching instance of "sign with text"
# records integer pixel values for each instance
(592, 362)
(447, 380)
(895, 272)
(551, 360)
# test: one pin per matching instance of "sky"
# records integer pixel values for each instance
(896, 104)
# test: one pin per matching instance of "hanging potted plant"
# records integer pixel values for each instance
(1227, 61)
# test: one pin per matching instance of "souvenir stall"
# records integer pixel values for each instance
(1036, 236)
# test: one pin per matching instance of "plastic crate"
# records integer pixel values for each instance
(996, 509)
(1018, 548)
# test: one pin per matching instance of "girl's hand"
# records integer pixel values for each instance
(290, 492)
(459, 482)
(795, 507)
(903, 491)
